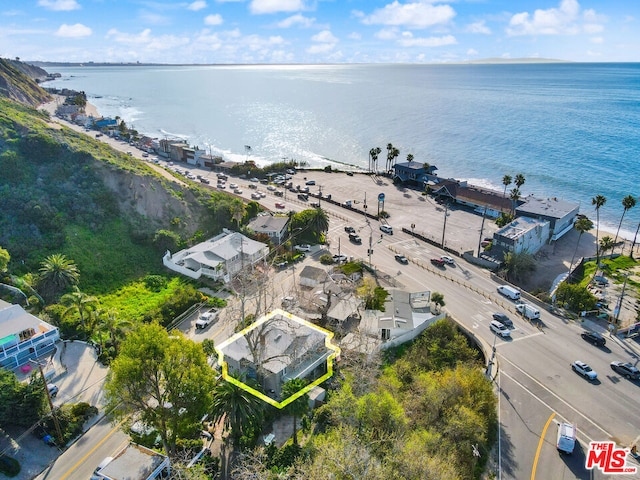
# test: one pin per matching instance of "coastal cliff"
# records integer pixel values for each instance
(17, 83)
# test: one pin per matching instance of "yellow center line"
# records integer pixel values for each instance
(542, 435)
(82, 460)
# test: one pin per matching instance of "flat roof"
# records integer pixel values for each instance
(519, 226)
(553, 207)
(134, 462)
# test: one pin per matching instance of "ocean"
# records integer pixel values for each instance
(571, 129)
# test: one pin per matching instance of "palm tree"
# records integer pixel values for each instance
(519, 180)
(80, 303)
(236, 210)
(606, 244)
(506, 181)
(438, 299)
(237, 408)
(299, 406)
(582, 225)
(57, 273)
(635, 237)
(598, 201)
(394, 154)
(389, 153)
(627, 202)
(410, 158)
(514, 196)
(373, 155)
(115, 326)
(319, 222)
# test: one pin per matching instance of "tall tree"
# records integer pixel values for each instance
(395, 153)
(57, 273)
(319, 221)
(518, 265)
(116, 326)
(635, 237)
(373, 158)
(236, 211)
(438, 299)
(80, 303)
(237, 408)
(582, 225)
(598, 201)
(299, 406)
(4, 259)
(514, 196)
(606, 244)
(389, 155)
(519, 180)
(410, 158)
(506, 181)
(628, 202)
(163, 377)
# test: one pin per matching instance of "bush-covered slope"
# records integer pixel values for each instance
(17, 86)
(65, 192)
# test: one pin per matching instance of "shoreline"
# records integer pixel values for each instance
(626, 235)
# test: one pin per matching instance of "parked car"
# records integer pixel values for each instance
(271, 188)
(438, 262)
(503, 319)
(311, 182)
(205, 181)
(233, 186)
(278, 193)
(594, 338)
(349, 229)
(339, 258)
(256, 196)
(402, 259)
(388, 229)
(205, 319)
(305, 247)
(280, 205)
(237, 191)
(583, 369)
(254, 179)
(303, 196)
(499, 329)
(626, 370)
(53, 390)
(448, 259)
(355, 238)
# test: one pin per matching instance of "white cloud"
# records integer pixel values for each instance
(197, 5)
(259, 7)
(593, 28)
(553, 21)
(325, 37)
(411, 15)
(296, 19)
(153, 18)
(472, 52)
(408, 40)
(354, 36)
(73, 31)
(129, 38)
(387, 34)
(597, 40)
(321, 48)
(213, 19)
(59, 5)
(478, 27)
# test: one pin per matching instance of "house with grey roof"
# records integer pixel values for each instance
(23, 336)
(312, 276)
(275, 227)
(277, 350)
(561, 214)
(406, 315)
(416, 173)
(218, 258)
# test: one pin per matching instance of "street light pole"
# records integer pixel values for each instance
(53, 413)
(444, 227)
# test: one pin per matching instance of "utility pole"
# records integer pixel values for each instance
(53, 413)
(444, 227)
(619, 304)
(484, 214)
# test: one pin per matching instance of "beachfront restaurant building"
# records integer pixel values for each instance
(414, 173)
(23, 336)
(523, 235)
(560, 214)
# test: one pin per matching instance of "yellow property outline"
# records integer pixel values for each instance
(327, 342)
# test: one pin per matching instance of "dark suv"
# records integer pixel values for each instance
(594, 338)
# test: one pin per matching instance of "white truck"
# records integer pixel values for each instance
(510, 292)
(528, 311)
(566, 440)
(207, 318)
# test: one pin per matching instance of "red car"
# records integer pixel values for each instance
(438, 262)
(280, 205)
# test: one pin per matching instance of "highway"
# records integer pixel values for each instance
(535, 384)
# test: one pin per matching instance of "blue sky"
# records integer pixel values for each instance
(318, 31)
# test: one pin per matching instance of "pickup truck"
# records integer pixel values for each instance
(207, 318)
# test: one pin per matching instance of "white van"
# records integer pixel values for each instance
(507, 291)
(499, 329)
(566, 440)
(528, 311)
